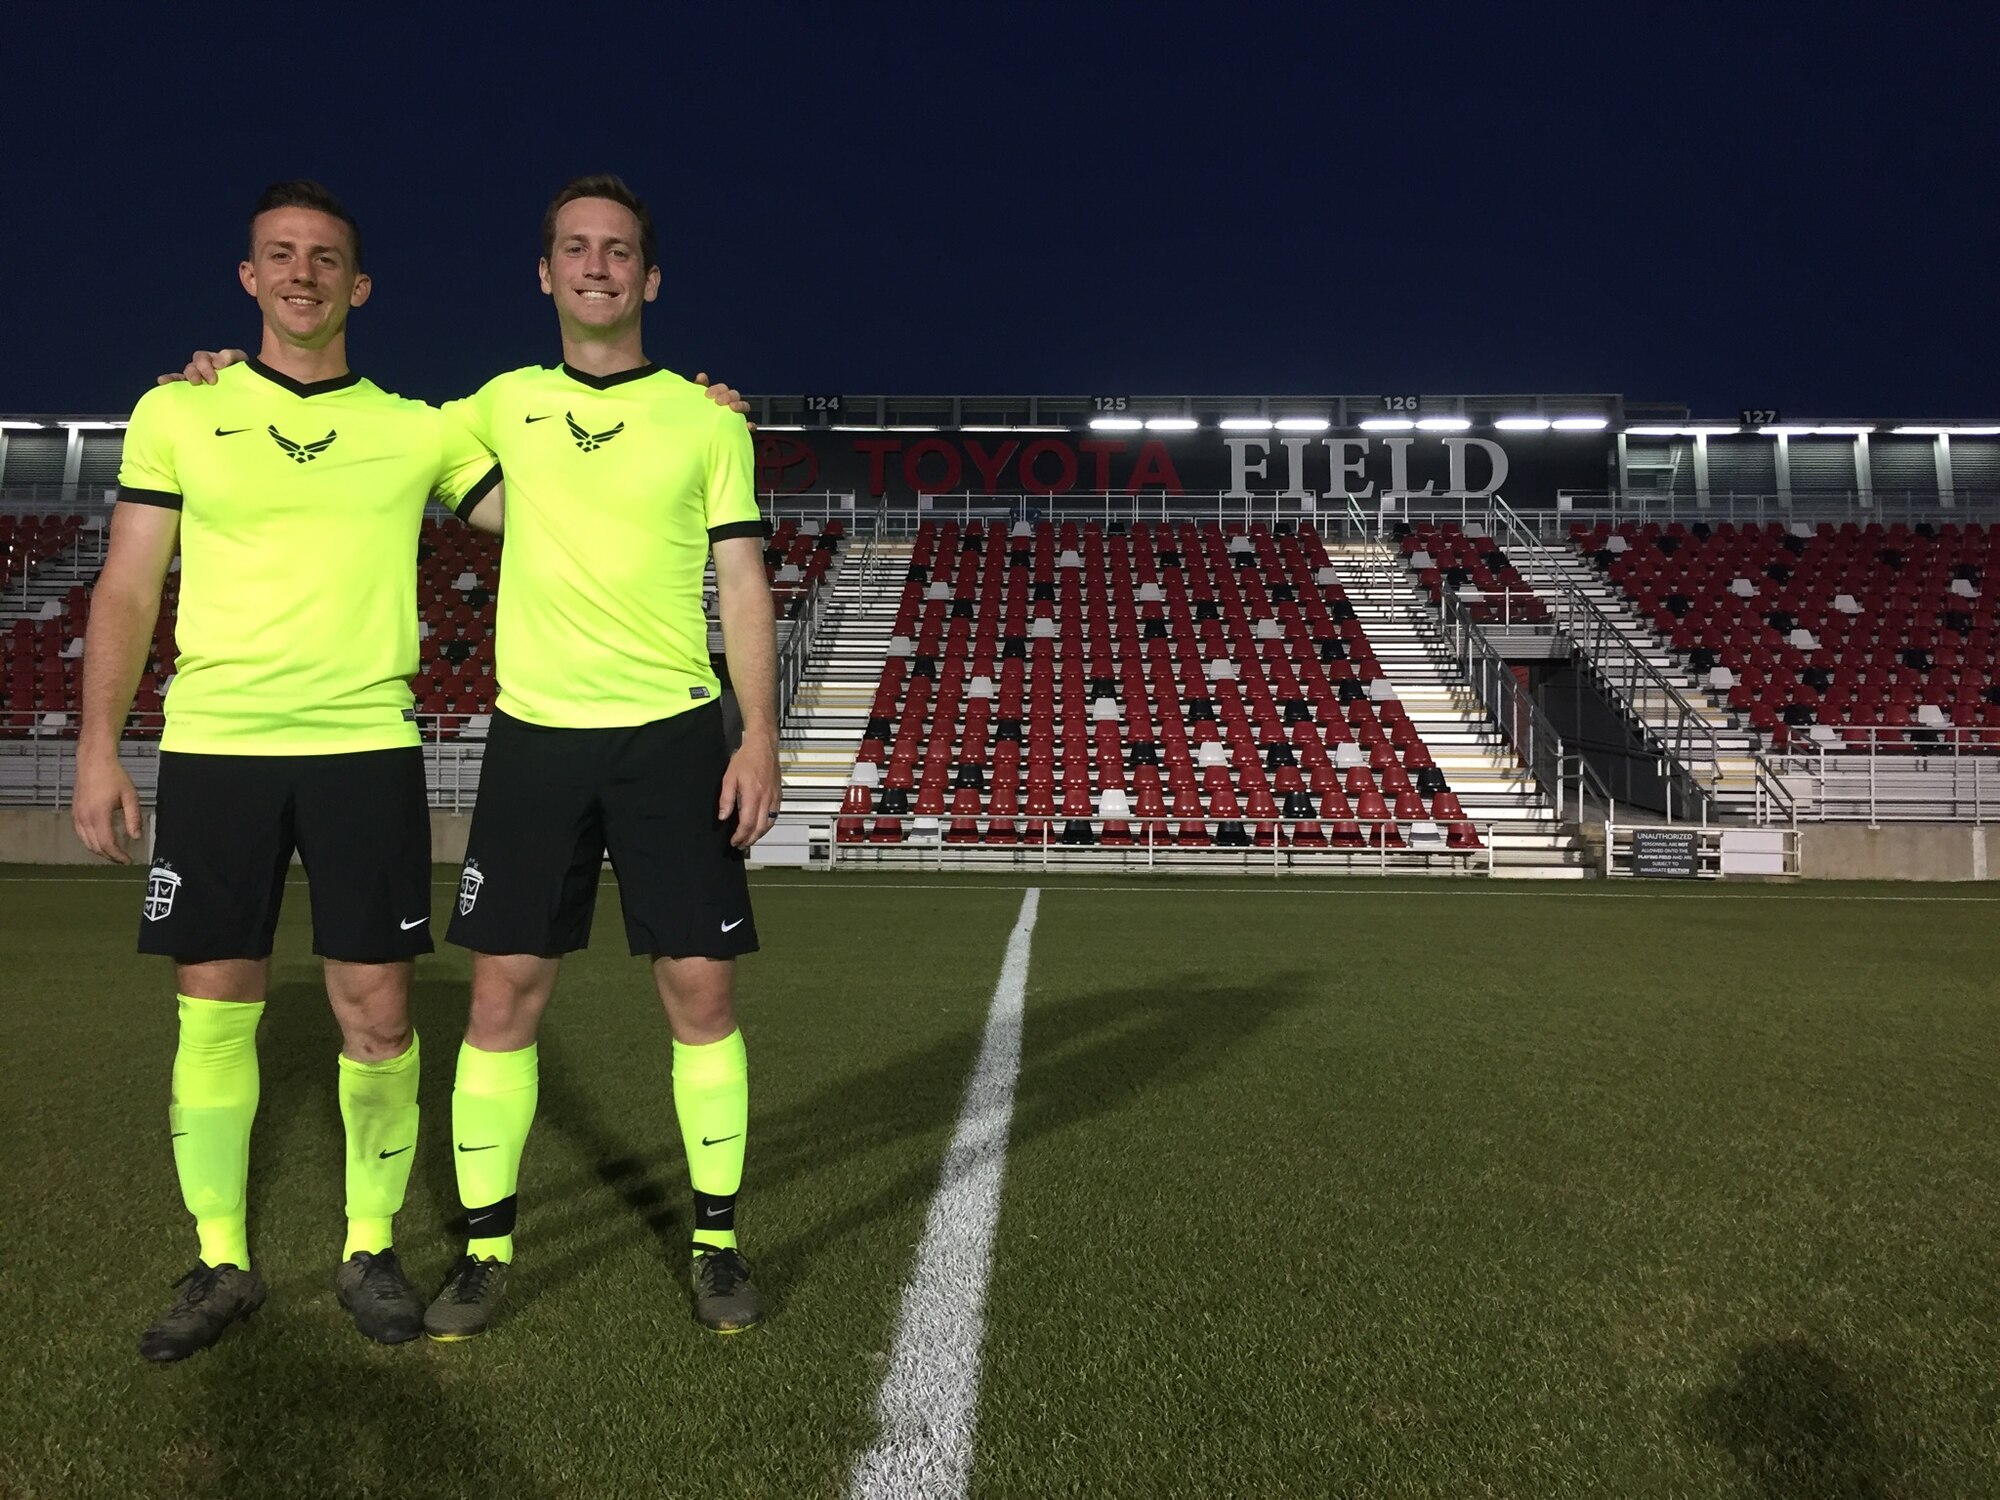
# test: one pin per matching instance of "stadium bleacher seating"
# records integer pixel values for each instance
(1474, 568)
(1826, 635)
(1175, 684)
(457, 575)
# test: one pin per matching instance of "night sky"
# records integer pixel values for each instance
(1774, 205)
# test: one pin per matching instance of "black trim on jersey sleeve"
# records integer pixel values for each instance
(165, 499)
(477, 493)
(303, 387)
(605, 382)
(736, 528)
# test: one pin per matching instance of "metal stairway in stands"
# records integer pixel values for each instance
(1408, 639)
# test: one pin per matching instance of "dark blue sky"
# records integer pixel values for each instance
(1774, 205)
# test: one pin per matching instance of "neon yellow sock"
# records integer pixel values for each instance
(712, 1099)
(378, 1105)
(214, 1101)
(492, 1108)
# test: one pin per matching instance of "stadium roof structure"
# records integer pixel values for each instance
(900, 447)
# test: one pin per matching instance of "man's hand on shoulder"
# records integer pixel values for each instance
(726, 396)
(202, 367)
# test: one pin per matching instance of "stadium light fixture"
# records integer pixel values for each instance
(1790, 430)
(1704, 430)
(1023, 428)
(1245, 424)
(12, 425)
(1116, 424)
(1899, 431)
(1387, 424)
(1521, 424)
(1856, 431)
(779, 427)
(857, 427)
(1302, 424)
(1580, 424)
(907, 427)
(1442, 424)
(90, 426)
(1171, 424)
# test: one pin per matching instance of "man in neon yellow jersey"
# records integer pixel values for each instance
(607, 737)
(294, 490)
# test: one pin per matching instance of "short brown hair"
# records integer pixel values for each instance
(303, 192)
(602, 185)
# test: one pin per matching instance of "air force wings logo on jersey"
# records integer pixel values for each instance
(161, 886)
(469, 883)
(589, 442)
(302, 453)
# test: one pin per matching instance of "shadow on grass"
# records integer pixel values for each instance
(1799, 1426)
(283, 1417)
(1080, 1057)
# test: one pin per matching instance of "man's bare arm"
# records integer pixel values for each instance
(751, 787)
(490, 514)
(124, 607)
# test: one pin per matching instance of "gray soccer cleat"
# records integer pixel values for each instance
(469, 1299)
(211, 1298)
(379, 1297)
(724, 1299)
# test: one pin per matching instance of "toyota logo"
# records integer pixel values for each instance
(785, 465)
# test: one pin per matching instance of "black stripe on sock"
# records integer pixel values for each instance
(714, 1213)
(492, 1221)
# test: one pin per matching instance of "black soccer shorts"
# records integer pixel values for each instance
(227, 827)
(553, 802)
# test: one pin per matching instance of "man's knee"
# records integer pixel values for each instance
(372, 1004)
(699, 995)
(509, 994)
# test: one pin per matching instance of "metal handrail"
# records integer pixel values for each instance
(1687, 740)
(1764, 507)
(1452, 634)
(1948, 785)
(1282, 854)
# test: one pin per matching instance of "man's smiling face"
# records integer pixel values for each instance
(303, 273)
(596, 271)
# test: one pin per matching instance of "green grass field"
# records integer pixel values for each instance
(1348, 1188)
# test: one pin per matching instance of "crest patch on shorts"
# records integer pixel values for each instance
(162, 884)
(469, 882)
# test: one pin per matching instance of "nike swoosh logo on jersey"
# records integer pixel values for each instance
(719, 1139)
(732, 926)
(418, 923)
(229, 431)
(464, 1147)
(542, 418)
(385, 1155)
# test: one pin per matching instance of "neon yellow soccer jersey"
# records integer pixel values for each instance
(616, 488)
(299, 512)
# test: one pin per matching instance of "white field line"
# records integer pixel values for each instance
(929, 1405)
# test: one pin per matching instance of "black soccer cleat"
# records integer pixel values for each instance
(471, 1295)
(724, 1299)
(211, 1298)
(379, 1297)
